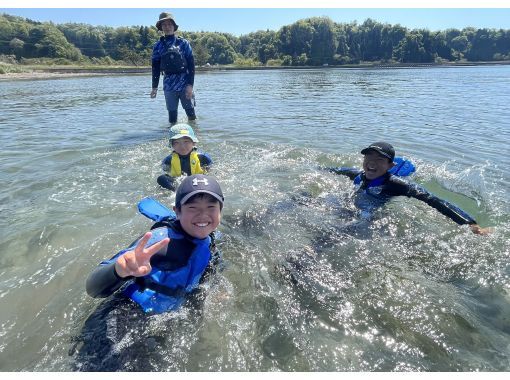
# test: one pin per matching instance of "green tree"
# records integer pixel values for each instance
(296, 39)
(85, 37)
(341, 55)
(391, 36)
(130, 56)
(482, 45)
(200, 53)
(411, 49)
(440, 46)
(260, 45)
(300, 60)
(17, 47)
(459, 45)
(354, 42)
(220, 50)
(370, 40)
(46, 40)
(323, 45)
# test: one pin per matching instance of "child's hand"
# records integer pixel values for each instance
(479, 230)
(137, 262)
(154, 92)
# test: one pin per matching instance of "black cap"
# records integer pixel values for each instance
(382, 148)
(196, 184)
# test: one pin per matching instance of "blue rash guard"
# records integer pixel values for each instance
(173, 82)
(371, 194)
(175, 272)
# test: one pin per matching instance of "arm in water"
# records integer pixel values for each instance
(349, 172)
(446, 208)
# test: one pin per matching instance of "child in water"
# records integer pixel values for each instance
(185, 158)
(169, 261)
(376, 183)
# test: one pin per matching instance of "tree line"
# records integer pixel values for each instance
(314, 41)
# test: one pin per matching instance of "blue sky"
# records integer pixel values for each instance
(245, 20)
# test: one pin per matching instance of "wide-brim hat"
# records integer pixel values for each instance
(166, 16)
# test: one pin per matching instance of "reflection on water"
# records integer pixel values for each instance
(307, 283)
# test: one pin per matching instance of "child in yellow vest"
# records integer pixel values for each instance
(185, 158)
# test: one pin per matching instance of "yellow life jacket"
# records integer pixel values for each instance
(194, 162)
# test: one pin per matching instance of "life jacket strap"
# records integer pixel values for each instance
(147, 283)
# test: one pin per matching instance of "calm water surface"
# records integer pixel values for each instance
(304, 286)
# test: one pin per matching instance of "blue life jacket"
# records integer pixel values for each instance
(402, 168)
(163, 290)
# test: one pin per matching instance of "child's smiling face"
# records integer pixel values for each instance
(200, 216)
(375, 164)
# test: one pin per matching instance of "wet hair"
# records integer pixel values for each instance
(207, 197)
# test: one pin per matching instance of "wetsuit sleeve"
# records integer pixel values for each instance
(397, 186)
(188, 54)
(349, 172)
(166, 163)
(104, 281)
(205, 160)
(156, 65)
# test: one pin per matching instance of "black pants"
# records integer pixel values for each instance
(167, 182)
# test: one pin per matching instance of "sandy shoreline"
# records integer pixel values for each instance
(33, 75)
(56, 73)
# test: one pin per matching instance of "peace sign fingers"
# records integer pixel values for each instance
(143, 254)
(137, 262)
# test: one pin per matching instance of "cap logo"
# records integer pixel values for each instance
(196, 181)
(184, 132)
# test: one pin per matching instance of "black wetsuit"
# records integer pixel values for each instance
(383, 188)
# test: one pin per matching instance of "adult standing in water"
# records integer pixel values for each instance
(173, 56)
